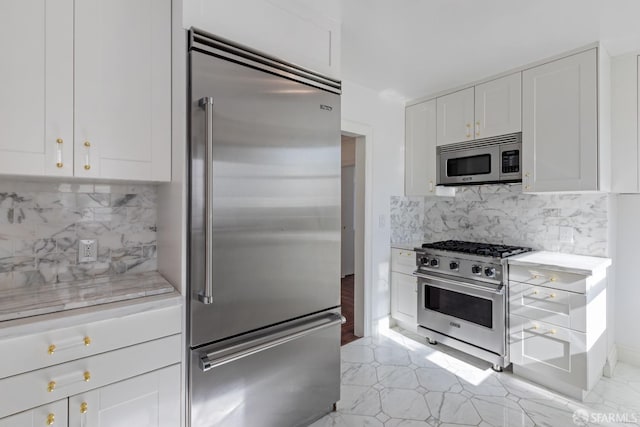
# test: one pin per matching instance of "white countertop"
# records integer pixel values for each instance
(409, 246)
(45, 299)
(579, 264)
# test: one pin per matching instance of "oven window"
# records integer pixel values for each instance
(466, 307)
(472, 165)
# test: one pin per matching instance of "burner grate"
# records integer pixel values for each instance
(477, 248)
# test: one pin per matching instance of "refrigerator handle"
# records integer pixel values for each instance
(206, 296)
(209, 361)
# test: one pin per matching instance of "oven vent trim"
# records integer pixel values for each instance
(511, 138)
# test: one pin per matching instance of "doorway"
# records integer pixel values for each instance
(352, 218)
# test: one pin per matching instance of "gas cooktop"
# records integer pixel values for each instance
(476, 248)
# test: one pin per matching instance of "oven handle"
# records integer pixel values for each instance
(498, 291)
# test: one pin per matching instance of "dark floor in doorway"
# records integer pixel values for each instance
(347, 309)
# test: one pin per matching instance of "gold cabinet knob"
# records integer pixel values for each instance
(87, 376)
(526, 187)
(552, 331)
(51, 386)
(535, 292)
(59, 141)
(84, 407)
(87, 341)
(59, 164)
(87, 144)
(535, 327)
(51, 349)
(87, 167)
(51, 418)
(535, 276)
(552, 295)
(526, 174)
(553, 279)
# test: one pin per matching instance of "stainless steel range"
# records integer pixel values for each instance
(462, 297)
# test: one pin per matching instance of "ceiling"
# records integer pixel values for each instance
(407, 49)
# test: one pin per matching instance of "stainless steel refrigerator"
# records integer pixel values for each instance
(264, 241)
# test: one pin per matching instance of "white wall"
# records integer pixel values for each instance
(385, 118)
(627, 288)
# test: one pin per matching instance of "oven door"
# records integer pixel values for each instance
(468, 166)
(473, 312)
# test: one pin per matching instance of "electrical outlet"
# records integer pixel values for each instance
(88, 250)
(566, 235)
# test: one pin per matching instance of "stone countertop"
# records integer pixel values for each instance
(579, 264)
(407, 246)
(25, 302)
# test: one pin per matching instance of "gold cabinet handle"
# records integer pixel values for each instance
(478, 128)
(86, 341)
(468, 134)
(51, 386)
(552, 295)
(59, 162)
(51, 419)
(87, 376)
(431, 188)
(87, 155)
(84, 407)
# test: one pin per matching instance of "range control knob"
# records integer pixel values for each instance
(435, 262)
(424, 260)
(453, 265)
(490, 272)
(476, 269)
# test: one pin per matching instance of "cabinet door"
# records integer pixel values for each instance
(404, 298)
(455, 117)
(123, 89)
(36, 87)
(560, 125)
(420, 149)
(498, 106)
(149, 400)
(54, 413)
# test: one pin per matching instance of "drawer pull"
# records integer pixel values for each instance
(86, 341)
(84, 407)
(53, 385)
(552, 295)
(553, 279)
(535, 292)
(552, 331)
(51, 418)
(535, 276)
(534, 327)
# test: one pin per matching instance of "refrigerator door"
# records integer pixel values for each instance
(288, 378)
(275, 199)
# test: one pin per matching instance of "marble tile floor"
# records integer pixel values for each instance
(394, 380)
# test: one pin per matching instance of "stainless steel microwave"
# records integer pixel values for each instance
(483, 161)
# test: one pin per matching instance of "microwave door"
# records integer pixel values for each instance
(469, 166)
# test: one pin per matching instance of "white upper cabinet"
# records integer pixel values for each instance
(36, 87)
(123, 89)
(420, 149)
(306, 33)
(455, 117)
(86, 89)
(498, 106)
(560, 125)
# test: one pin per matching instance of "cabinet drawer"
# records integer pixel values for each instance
(403, 261)
(40, 416)
(40, 350)
(549, 305)
(46, 385)
(548, 349)
(550, 278)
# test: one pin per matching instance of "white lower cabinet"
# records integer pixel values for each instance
(126, 372)
(404, 289)
(51, 414)
(149, 400)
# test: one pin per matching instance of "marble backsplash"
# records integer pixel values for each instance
(503, 214)
(42, 222)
